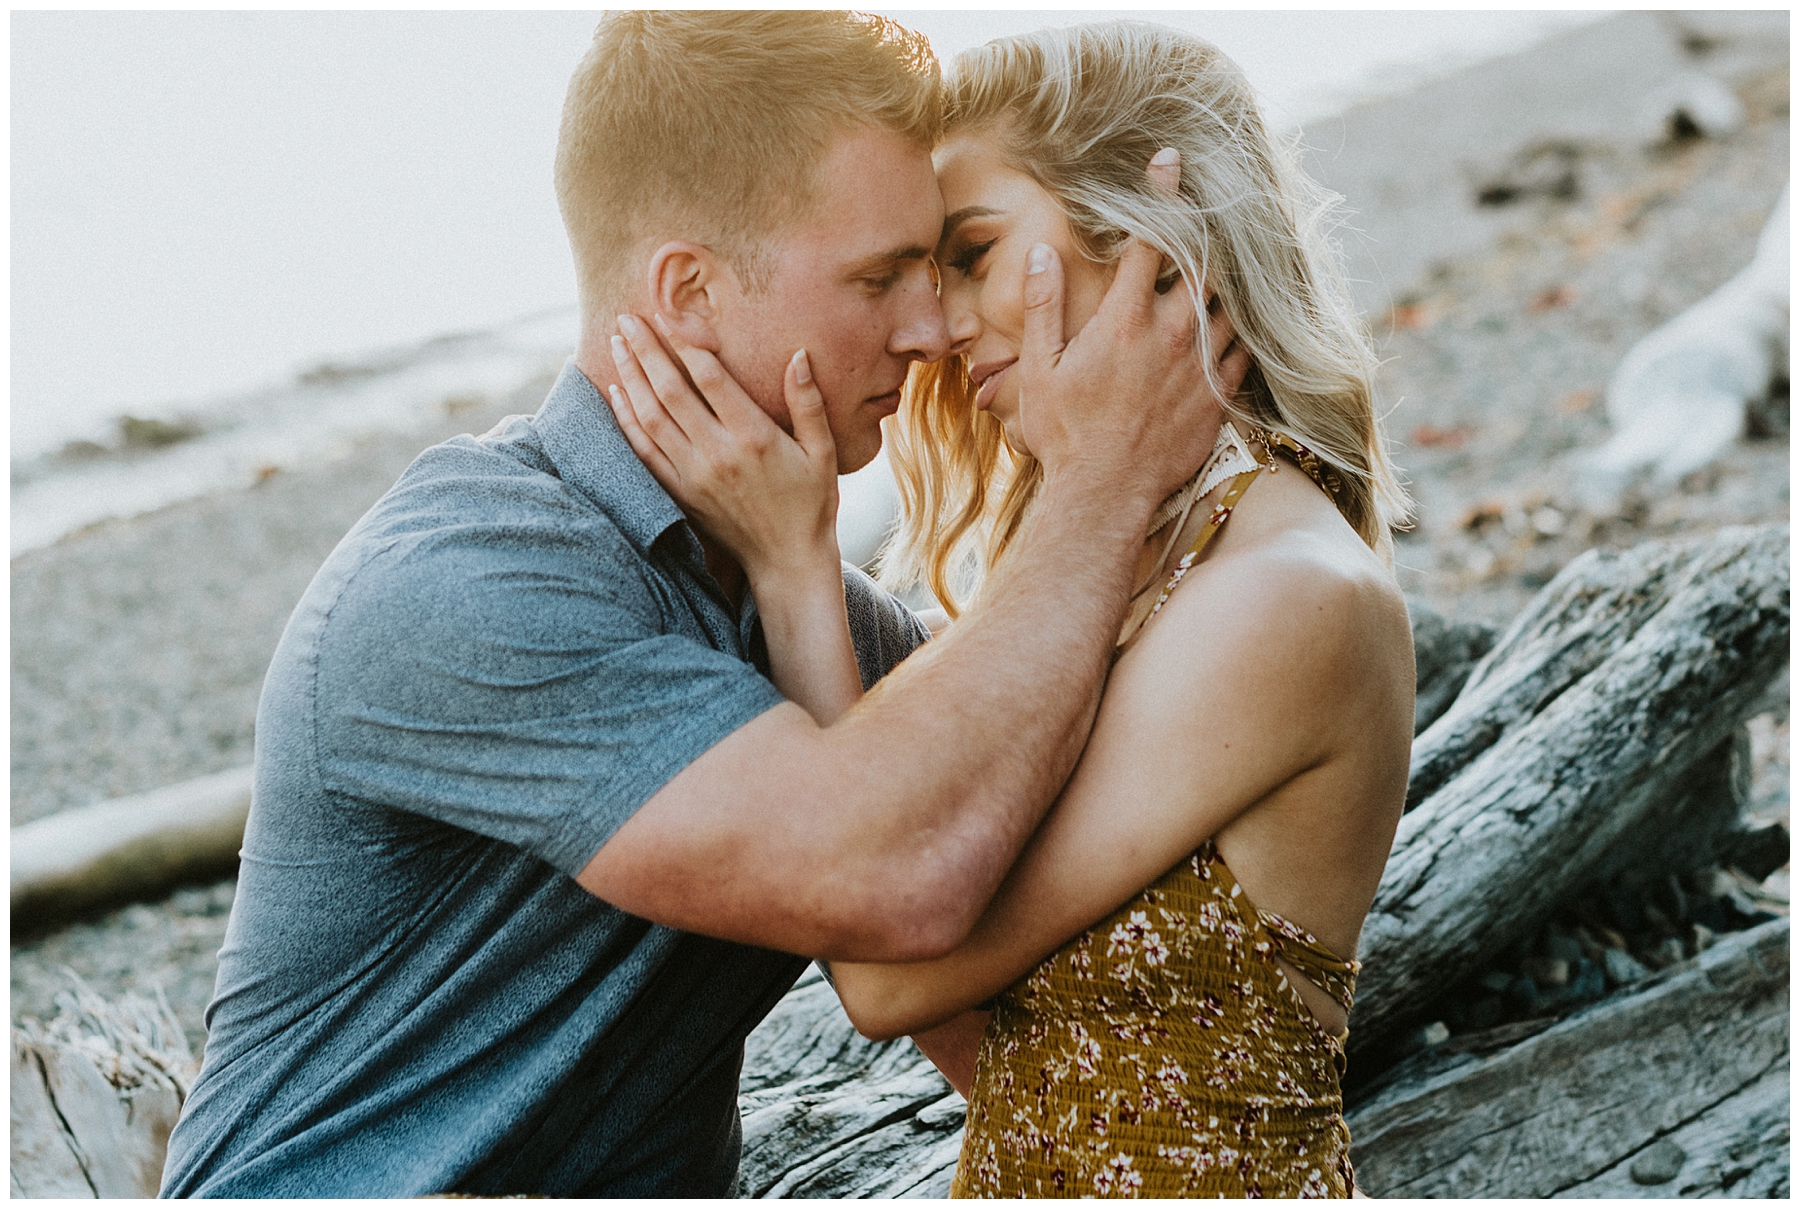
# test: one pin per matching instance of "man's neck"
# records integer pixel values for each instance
(719, 562)
(601, 372)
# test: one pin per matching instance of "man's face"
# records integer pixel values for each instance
(852, 284)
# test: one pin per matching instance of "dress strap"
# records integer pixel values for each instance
(1220, 514)
(1282, 937)
(1310, 463)
(1306, 953)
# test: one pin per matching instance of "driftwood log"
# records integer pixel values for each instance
(830, 1114)
(94, 1097)
(1676, 1089)
(127, 848)
(1574, 731)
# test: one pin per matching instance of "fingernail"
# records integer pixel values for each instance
(612, 395)
(661, 323)
(628, 325)
(802, 368)
(1039, 259)
(620, 352)
(1168, 157)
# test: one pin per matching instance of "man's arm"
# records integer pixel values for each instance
(882, 836)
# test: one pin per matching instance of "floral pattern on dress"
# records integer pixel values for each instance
(1163, 1053)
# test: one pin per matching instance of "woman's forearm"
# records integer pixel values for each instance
(811, 657)
(923, 998)
(953, 1047)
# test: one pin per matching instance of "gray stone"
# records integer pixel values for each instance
(1560, 946)
(1660, 1163)
(1622, 969)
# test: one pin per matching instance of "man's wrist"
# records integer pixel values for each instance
(1114, 495)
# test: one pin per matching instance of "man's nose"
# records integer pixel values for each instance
(922, 335)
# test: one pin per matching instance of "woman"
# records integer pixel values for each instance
(1252, 744)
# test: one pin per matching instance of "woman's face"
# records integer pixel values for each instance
(993, 217)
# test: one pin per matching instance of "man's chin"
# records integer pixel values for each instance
(848, 465)
(856, 450)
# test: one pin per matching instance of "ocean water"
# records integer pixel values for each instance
(261, 234)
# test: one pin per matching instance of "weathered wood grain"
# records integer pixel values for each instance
(94, 1098)
(44, 1162)
(1739, 1148)
(828, 1113)
(1583, 617)
(1697, 1054)
(1565, 779)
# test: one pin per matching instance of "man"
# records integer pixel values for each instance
(534, 838)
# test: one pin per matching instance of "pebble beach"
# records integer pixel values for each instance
(1501, 296)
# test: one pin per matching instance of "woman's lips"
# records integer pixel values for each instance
(986, 377)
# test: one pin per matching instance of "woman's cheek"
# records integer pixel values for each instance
(1003, 297)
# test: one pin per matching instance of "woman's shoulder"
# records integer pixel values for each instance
(1288, 581)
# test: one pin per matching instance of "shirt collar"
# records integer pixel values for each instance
(591, 455)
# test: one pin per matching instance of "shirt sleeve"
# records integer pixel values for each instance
(883, 630)
(519, 686)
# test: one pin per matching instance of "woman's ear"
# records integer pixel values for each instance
(686, 282)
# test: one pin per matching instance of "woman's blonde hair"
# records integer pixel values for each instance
(1081, 111)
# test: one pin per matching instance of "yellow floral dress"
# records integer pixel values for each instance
(1163, 1053)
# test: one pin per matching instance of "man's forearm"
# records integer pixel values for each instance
(964, 746)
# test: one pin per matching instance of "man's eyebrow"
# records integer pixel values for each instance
(882, 261)
(952, 221)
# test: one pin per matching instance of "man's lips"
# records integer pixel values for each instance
(886, 404)
(986, 378)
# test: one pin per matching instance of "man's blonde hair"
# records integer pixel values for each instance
(711, 127)
(1081, 111)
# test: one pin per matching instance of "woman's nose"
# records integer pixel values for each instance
(960, 320)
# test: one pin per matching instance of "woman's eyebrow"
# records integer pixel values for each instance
(951, 221)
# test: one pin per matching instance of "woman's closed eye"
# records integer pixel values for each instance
(969, 256)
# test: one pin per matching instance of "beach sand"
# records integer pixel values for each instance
(139, 646)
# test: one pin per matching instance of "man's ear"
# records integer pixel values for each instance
(688, 283)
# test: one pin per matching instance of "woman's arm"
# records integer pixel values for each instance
(952, 1047)
(1258, 675)
(769, 499)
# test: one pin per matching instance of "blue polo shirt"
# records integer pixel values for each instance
(513, 650)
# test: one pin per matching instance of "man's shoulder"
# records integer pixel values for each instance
(479, 534)
(502, 478)
(496, 500)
